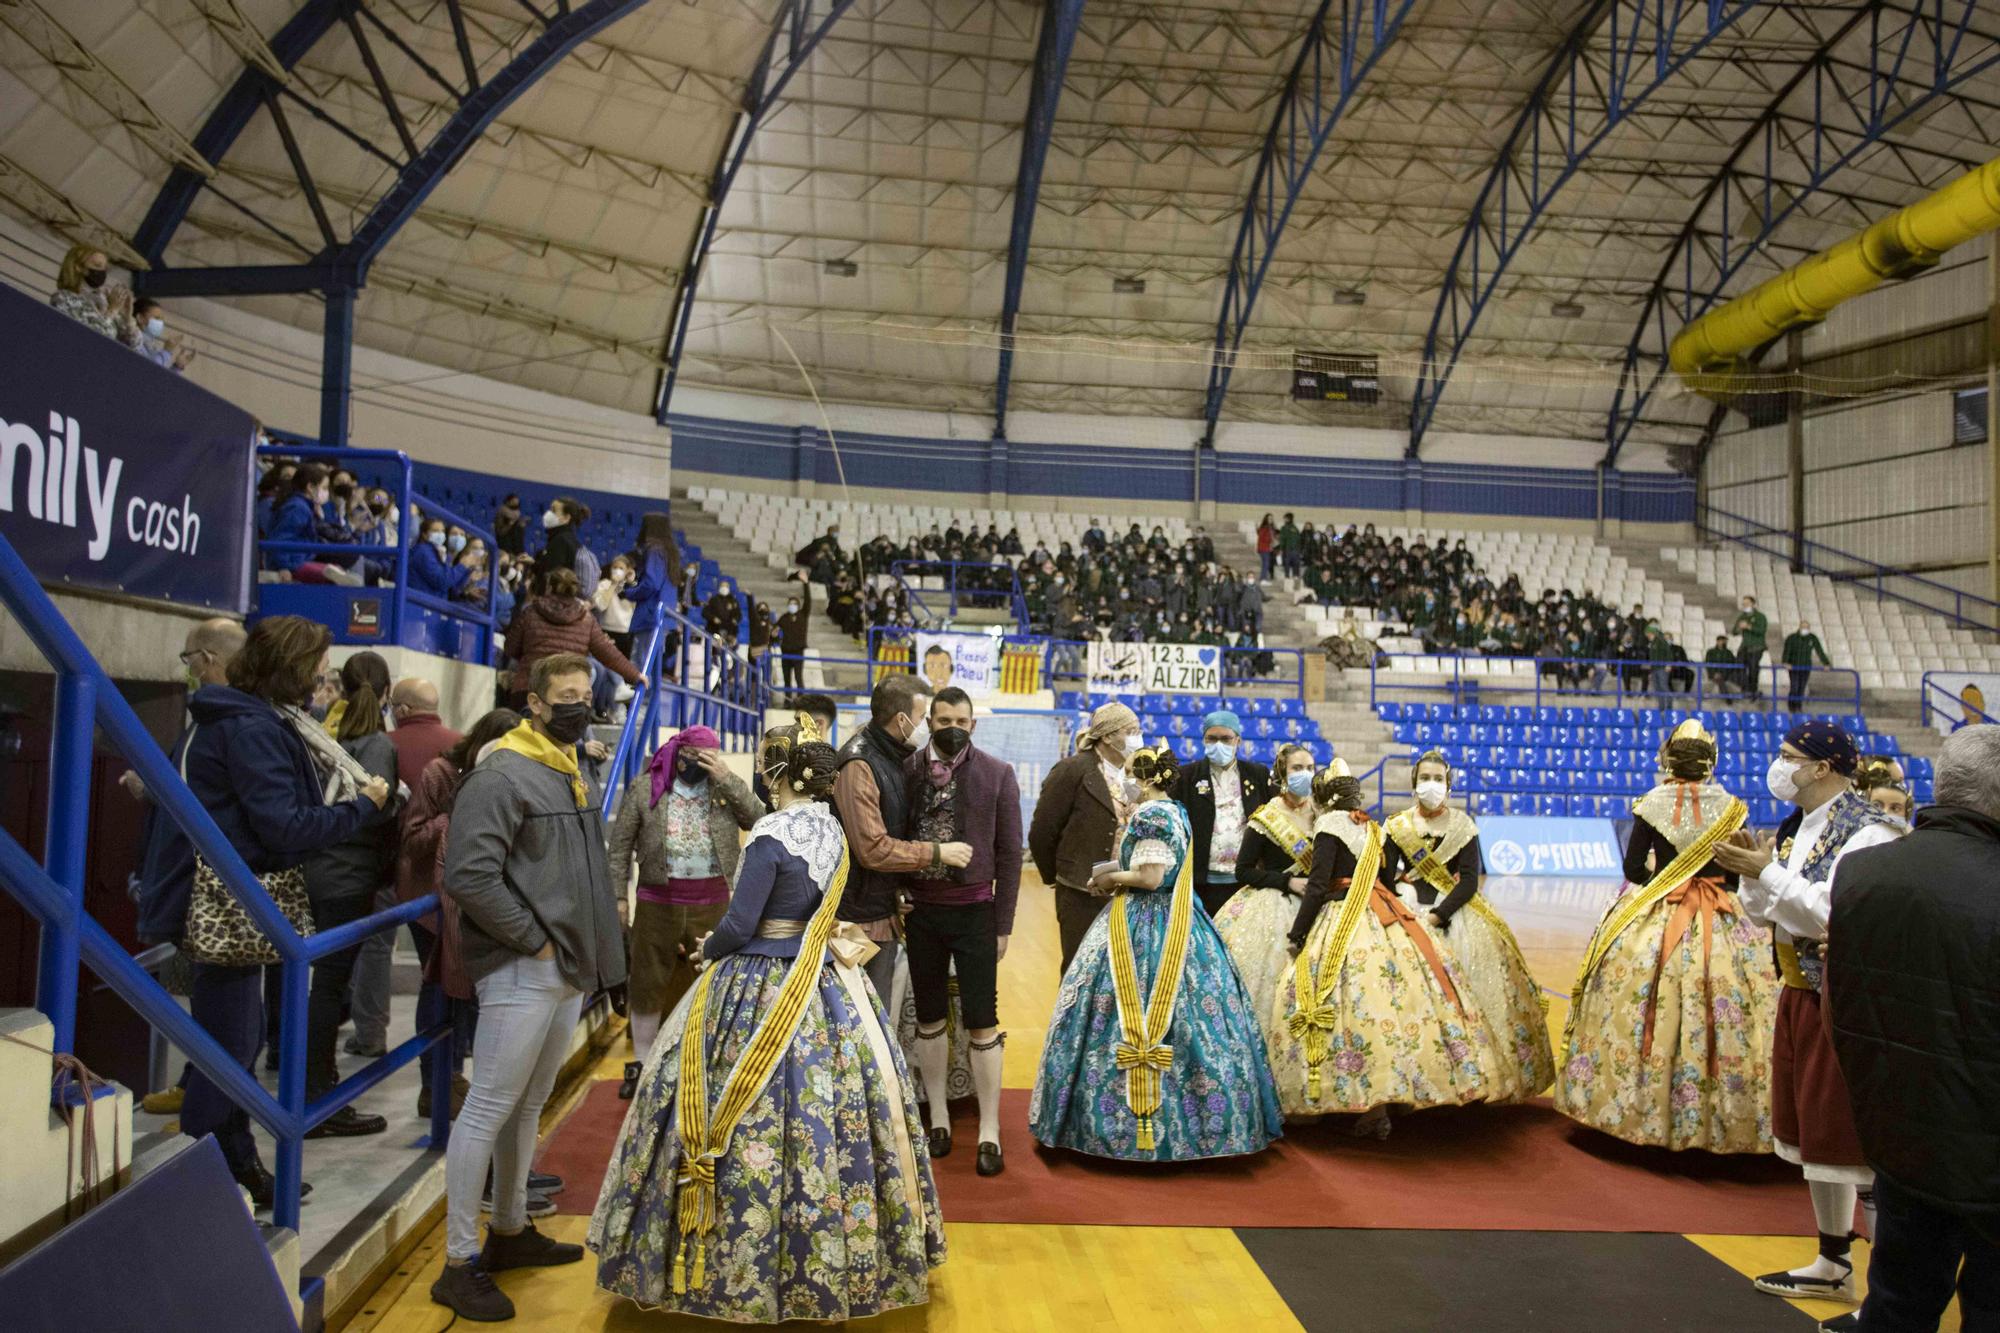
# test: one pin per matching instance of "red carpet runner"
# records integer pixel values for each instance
(1513, 1168)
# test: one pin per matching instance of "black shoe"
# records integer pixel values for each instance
(355, 1046)
(526, 1248)
(541, 1182)
(991, 1163)
(1794, 1287)
(1842, 1323)
(940, 1143)
(468, 1291)
(539, 1205)
(271, 1058)
(631, 1084)
(263, 1186)
(348, 1123)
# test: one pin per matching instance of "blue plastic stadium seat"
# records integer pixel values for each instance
(1292, 707)
(1186, 749)
(1491, 713)
(1520, 714)
(1390, 712)
(1322, 752)
(1546, 716)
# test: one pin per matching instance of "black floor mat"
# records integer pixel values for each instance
(1510, 1282)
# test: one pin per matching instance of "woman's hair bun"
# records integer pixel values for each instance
(1154, 766)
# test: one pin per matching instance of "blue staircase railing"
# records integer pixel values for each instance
(54, 894)
(964, 580)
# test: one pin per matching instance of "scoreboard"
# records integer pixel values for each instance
(1324, 377)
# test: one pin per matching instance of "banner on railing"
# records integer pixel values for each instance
(969, 661)
(1154, 668)
(1961, 697)
(1537, 845)
(116, 474)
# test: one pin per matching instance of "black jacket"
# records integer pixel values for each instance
(1913, 1005)
(871, 894)
(1200, 804)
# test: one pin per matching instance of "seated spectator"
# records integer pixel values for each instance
(432, 569)
(371, 517)
(1723, 671)
(300, 518)
(472, 560)
(722, 614)
(559, 622)
(249, 763)
(84, 293)
(153, 342)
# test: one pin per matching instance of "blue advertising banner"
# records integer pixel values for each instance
(117, 474)
(1572, 848)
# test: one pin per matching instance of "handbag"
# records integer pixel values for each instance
(219, 931)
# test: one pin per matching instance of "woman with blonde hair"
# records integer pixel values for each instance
(1272, 866)
(1375, 1013)
(84, 293)
(1672, 1018)
(1153, 1053)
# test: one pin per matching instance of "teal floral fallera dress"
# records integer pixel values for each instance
(1217, 1099)
(825, 1203)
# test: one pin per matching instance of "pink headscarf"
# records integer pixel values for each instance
(661, 767)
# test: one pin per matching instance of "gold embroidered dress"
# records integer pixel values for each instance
(1669, 1037)
(1374, 1013)
(1441, 854)
(1277, 847)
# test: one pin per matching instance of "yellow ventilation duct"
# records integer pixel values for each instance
(1709, 353)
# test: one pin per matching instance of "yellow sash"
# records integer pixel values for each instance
(704, 1139)
(1426, 864)
(1143, 1055)
(1313, 978)
(525, 740)
(1676, 873)
(1285, 836)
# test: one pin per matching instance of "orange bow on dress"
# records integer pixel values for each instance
(1701, 898)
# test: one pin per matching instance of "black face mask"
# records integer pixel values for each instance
(951, 742)
(95, 277)
(567, 723)
(689, 770)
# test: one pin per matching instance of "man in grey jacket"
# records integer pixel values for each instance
(539, 927)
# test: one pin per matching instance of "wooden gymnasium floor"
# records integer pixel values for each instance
(1065, 1279)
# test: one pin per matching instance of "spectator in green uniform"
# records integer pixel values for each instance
(1288, 546)
(1799, 651)
(1750, 629)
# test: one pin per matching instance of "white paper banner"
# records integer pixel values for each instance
(1155, 668)
(1980, 689)
(969, 661)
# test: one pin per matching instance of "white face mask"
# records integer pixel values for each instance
(1782, 779)
(920, 735)
(551, 519)
(1133, 791)
(1431, 794)
(156, 328)
(1131, 742)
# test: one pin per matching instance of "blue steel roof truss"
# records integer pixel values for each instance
(1824, 119)
(1588, 90)
(1340, 47)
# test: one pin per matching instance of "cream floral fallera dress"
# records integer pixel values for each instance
(1257, 918)
(1702, 1077)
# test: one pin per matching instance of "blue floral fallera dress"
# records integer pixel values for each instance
(825, 1202)
(1218, 1099)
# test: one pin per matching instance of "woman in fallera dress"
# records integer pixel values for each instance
(1671, 1021)
(772, 1166)
(1439, 879)
(1153, 1053)
(1375, 1014)
(1272, 866)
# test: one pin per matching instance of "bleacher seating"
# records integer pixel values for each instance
(1890, 643)
(1595, 761)
(1267, 722)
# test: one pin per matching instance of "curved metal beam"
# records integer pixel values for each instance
(1060, 19)
(1584, 95)
(1331, 63)
(796, 31)
(1919, 56)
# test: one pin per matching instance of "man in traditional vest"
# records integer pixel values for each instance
(1789, 886)
(875, 809)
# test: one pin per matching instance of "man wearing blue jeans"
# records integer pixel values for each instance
(526, 865)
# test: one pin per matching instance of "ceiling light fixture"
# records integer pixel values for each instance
(1567, 310)
(1129, 286)
(841, 268)
(1349, 296)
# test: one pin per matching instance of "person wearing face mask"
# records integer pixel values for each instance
(1436, 853)
(1377, 1014)
(1200, 1087)
(559, 621)
(1799, 651)
(431, 570)
(85, 293)
(794, 627)
(1750, 628)
(722, 614)
(1272, 866)
(1077, 813)
(1787, 884)
(614, 613)
(681, 823)
(1219, 791)
(153, 343)
(874, 806)
(1883, 783)
(960, 920)
(299, 519)
(510, 526)
(1668, 1042)
(539, 931)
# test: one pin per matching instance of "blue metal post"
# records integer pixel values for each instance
(290, 1166)
(336, 373)
(66, 850)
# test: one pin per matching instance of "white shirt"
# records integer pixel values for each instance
(1784, 898)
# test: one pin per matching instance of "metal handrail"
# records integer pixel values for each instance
(85, 695)
(1871, 570)
(1468, 686)
(905, 570)
(1925, 707)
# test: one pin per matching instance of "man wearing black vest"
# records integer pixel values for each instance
(1913, 1004)
(872, 799)
(1220, 792)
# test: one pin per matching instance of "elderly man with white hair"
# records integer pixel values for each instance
(1913, 1003)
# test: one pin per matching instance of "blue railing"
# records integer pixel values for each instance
(1950, 707)
(1966, 609)
(971, 580)
(401, 596)
(731, 698)
(1607, 680)
(54, 894)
